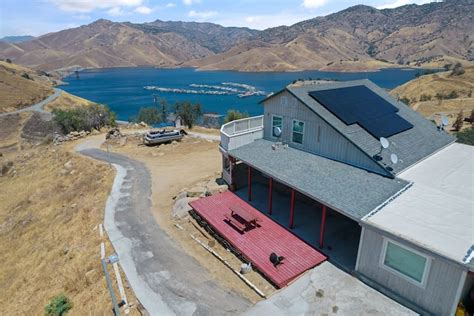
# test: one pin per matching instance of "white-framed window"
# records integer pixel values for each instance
(297, 132)
(405, 262)
(277, 121)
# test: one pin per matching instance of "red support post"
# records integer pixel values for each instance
(270, 195)
(292, 209)
(321, 231)
(249, 176)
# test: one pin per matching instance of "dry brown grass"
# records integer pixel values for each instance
(16, 91)
(48, 236)
(67, 101)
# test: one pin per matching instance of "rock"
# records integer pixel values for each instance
(63, 172)
(65, 250)
(73, 205)
(143, 124)
(196, 191)
(212, 188)
(123, 141)
(181, 207)
(5, 168)
(68, 165)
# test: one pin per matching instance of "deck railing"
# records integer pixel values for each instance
(241, 132)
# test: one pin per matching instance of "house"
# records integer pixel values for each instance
(384, 193)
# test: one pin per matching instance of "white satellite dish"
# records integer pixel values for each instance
(277, 131)
(444, 120)
(394, 158)
(384, 142)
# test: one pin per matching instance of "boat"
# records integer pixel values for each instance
(155, 137)
(246, 94)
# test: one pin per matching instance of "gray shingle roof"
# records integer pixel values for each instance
(410, 146)
(350, 190)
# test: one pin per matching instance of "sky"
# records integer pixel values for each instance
(37, 17)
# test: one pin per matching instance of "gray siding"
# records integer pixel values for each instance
(319, 137)
(442, 284)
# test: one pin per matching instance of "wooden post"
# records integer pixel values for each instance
(270, 195)
(321, 231)
(249, 176)
(231, 171)
(292, 209)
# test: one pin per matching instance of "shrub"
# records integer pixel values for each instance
(233, 115)
(457, 125)
(188, 112)
(149, 115)
(9, 60)
(26, 76)
(452, 95)
(95, 116)
(58, 306)
(405, 100)
(425, 97)
(458, 70)
(466, 136)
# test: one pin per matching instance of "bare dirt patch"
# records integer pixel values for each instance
(179, 167)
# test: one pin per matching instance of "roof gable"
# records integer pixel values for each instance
(410, 146)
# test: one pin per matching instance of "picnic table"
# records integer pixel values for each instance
(241, 218)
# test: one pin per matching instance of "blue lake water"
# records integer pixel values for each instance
(122, 89)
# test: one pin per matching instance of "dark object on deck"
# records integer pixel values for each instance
(241, 219)
(155, 137)
(276, 259)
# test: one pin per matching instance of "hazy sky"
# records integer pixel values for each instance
(36, 17)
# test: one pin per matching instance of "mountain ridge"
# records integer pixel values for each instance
(355, 39)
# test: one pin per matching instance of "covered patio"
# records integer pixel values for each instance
(317, 199)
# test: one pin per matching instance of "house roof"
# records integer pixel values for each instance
(437, 212)
(410, 146)
(352, 191)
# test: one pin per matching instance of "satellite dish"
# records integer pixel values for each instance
(444, 120)
(384, 142)
(394, 158)
(277, 131)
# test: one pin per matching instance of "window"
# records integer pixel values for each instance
(298, 132)
(277, 121)
(407, 263)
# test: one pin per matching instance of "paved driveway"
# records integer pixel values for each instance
(39, 107)
(166, 280)
(327, 290)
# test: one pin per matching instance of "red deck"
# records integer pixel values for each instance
(257, 244)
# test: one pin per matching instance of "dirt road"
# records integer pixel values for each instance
(164, 278)
(38, 107)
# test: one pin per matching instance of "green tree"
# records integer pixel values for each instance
(95, 116)
(149, 115)
(233, 115)
(405, 100)
(58, 306)
(188, 112)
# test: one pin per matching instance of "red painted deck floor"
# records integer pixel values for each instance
(257, 244)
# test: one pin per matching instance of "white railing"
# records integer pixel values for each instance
(241, 132)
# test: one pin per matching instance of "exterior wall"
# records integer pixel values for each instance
(319, 137)
(439, 294)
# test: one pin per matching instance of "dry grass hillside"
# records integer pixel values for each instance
(21, 87)
(440, 93)
(51, 202)
(67, 101)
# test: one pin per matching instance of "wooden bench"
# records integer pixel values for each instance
(241, 219)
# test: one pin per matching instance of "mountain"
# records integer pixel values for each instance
(359, 37)
(17, 39)
(355, 39)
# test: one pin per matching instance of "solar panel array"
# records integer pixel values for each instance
(359, 104)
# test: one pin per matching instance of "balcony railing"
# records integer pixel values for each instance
(241, 132)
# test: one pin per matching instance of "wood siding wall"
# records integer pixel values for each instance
(319, 137)
(442, 284)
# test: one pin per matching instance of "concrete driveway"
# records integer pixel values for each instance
(327, 290)
(165, 279)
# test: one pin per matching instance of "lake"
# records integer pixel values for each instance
(123, 89)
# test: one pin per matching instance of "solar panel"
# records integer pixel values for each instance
(359, 104)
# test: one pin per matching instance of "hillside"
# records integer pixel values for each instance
(355, 39)
(17, 39)
(441, 93)
(21, 86)
(359, 38)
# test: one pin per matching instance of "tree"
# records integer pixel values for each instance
(58, 306)
(233, 115)
(164, 106)
(405, 100)
(188, 112)
(458, 70)
(95, 116)
(149, 115)
(9, 60)
(457, 125)
(471, 117)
